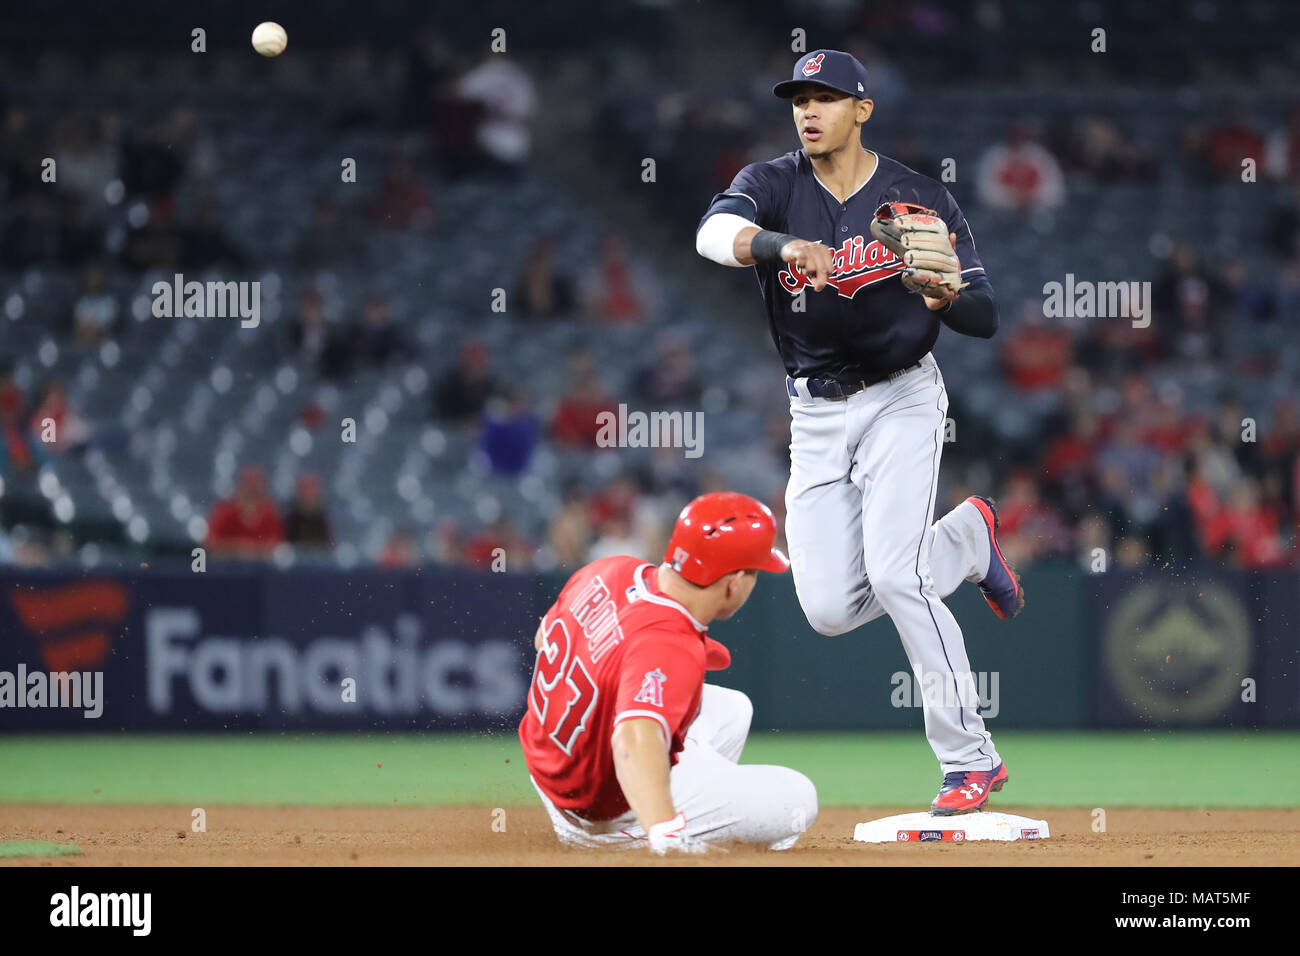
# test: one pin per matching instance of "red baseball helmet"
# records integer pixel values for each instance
(723, 532)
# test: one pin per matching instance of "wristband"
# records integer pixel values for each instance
(766, 246)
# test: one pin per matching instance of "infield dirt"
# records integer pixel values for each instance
(464, 836)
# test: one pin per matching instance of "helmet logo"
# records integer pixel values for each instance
(680, 557)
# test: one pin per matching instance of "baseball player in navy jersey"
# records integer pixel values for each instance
(854, 309)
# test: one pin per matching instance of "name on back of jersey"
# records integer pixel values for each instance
(597, 614)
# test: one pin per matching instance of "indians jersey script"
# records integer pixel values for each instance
(865, 320)
(615, 648)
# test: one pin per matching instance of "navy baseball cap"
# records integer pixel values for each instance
(831, 68)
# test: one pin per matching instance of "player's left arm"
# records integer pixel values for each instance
(974, 310)
(659, 682)
(642, 764)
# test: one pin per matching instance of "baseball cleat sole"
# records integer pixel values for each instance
(1001, 587)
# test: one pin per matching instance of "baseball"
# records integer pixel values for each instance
(269, 39)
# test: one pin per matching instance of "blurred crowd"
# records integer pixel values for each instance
(1026, 172)
(1027, 168)
(1136, 472)
(508, 424)
(477, 117)
(1131, 476)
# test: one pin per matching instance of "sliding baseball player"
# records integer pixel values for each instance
(625, 743)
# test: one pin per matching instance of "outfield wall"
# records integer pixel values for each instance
(441, 650)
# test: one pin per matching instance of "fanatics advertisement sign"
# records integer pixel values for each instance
(177, 650)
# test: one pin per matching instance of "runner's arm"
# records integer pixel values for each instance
(641, 764)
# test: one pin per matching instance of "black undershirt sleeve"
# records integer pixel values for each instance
(974, 311)
(737, 205)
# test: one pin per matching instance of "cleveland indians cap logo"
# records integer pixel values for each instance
(814, 65)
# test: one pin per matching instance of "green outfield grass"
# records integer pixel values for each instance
(1148, 769)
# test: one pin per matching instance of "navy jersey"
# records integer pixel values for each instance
(864, 322)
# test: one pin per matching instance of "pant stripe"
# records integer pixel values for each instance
(920, 582)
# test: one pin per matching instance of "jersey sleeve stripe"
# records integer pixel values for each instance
(750, 198)
(972, 269)
(628, 714)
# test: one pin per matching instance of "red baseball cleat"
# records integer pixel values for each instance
(1001, 585)
(967, 790)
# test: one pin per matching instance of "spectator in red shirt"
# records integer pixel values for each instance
(615, 298)
(1247, 529)
(499, 547)
(16, 450)
(617, 500)
(1030, 527)
(1019, 174)
(1167, 427)
(247, 524)
(1070, 456)
(399, 552)
(1038, 354)
(1201, 501)
(1233, 140)
(584, 398)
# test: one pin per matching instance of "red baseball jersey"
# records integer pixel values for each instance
(615, 648)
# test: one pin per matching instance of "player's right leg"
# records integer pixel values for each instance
(897, 464)
(723, 721)
(726, 802)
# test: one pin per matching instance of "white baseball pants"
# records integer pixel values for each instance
(721, 799)
(864, 473)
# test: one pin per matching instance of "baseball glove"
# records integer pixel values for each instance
(919, 238)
